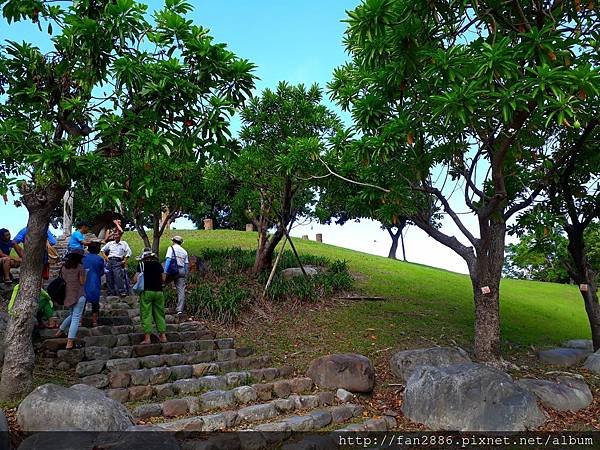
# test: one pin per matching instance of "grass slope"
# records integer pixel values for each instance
(424, 304)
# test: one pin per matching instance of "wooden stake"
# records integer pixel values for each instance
(275, 264)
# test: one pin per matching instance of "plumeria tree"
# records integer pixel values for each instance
(462, 103)
(283, 133)
(114, 81)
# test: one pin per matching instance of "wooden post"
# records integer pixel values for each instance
(275, 264)
(319, 237)
(208, 224)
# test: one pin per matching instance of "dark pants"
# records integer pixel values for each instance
(116, 277)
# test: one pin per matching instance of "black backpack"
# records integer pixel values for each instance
(57, 289)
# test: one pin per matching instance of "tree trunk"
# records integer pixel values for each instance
(19, 360)
(264, 254)
(394, 246)
(485, 278)
(403, 249)
(142, 232)
(583, 274)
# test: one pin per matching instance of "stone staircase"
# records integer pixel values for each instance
(197, 381)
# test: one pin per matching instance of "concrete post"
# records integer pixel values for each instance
(319, 237)
(305, 237)
(67, 213)
(208, 224)
(249, 227)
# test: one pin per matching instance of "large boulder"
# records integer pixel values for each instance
(405, 362)
(469, 397)
(581, 344)
(592, 363)
(51, 407)
(349, 371)
(564, 357)
(294, 272)
(566, 394)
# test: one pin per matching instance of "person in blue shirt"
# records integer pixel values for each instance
(51, 242)
(7, 261)
(78, 240)
(93, 264)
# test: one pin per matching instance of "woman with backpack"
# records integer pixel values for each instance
(149, 283)
(73, 274)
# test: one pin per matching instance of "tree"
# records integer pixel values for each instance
(469, 97)
(45, 117)
(216, 198)
(282, 131)
(63, 113)
(538, 257)
(340, 201)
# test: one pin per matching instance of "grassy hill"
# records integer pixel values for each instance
(424, 306)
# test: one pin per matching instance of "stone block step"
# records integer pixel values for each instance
(208, 379)
(257, 367)
(174, 344)
(103, 330)
(230, 397)
(313, 419)
(96, 358)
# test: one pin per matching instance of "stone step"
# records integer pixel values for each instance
(103, 330)
(176, 341)
(320, 440)
(262, 412)
(95, 358)
(257, 367)
(104, 306)
(230, 397)
(163, 382)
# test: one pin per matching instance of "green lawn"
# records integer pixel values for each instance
(425, 305)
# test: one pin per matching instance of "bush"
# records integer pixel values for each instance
(228, 287)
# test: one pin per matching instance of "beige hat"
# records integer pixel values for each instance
(177, 239)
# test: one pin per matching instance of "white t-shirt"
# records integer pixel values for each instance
(180, 254)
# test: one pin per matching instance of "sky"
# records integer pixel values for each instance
(299, 41)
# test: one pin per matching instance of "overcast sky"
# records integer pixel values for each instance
(299, 41)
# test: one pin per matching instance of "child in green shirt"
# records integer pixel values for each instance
(45, 307)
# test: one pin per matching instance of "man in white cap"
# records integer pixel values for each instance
(177, 266)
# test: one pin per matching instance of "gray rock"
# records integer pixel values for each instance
(101, 341)
(147, 411)
(151, 361)
(159, 375)
(188, 386)
(245, 394)
(98, 353)
(469, 397)
(380, 424)
(293, 272)
(592, 363)
(300, 423)
(306, 401)
(163, 391)
(86, 368)
(217, 399)
(349, 371)
(214, 422)
(563, 356)
(122, 352)
(340, 413)
(344, 396)
(273, 427)
(569, 394)
(120, 365)
(175, 359)
(140, 377)
(98, 381)
(257, 413)
(321, 418)
(193, 404)
(51, 408)
(4, 430)
(236, 378)
(405, 362)
(224, 343)
(213, 382)
(181, 372)
(581, 344)
(285, 405)
(203, 356)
